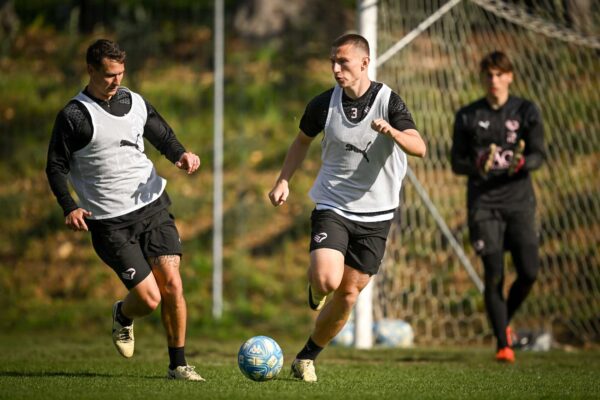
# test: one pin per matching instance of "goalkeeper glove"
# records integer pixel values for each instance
(518, 159)
(485, 161)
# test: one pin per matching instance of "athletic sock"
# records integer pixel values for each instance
(121, 318)
(310, 351)
(176, 357)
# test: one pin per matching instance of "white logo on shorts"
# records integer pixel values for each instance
(479, 245)
(319, 237)
(128, 274)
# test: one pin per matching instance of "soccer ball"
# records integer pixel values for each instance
(260, 358)
(394, 333)
(345, 338)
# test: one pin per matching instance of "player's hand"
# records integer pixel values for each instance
(189, 162)
(518, 159)
(76, 219)
(382, 126)
(485, 160)
(279, 194)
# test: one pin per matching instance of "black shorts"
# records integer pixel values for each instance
(361, 243)
(497, 230)
(126, 250)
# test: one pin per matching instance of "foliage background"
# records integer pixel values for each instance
(50, 277)
(276, 60)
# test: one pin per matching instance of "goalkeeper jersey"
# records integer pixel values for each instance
(478, 125)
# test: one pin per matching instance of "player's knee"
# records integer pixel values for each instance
(152, 300)
(493, 280)
(529, 276)
(348, 295)
(527, 262)
(173, 287)
(323, 284)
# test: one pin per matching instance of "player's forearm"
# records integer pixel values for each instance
(165, 141)
(460, 160)
(60, 188)
(293, 159)
(461, 164)
(409, 141)
(534, 152)
(533, 161)
(158, 132)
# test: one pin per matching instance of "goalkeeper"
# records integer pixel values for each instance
(497, 141)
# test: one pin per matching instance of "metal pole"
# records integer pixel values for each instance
(445, 230)
(363, 311)
(387, 55)
(416, 32)
(218, 163)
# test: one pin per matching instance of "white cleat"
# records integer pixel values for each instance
(304, 370)
(122, 335)
(185, 373)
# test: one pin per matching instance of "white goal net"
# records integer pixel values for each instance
(555, 47)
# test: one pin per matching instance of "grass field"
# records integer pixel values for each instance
(53, 366)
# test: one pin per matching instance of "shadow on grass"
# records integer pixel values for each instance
(63, 374)
(379, 356)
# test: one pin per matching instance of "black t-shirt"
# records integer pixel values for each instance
(315, 115)
(476, 126)
(73, 131)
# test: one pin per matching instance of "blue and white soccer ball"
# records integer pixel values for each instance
(260, 358)
(345, 338)
(394, 333)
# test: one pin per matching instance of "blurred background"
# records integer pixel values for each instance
(276, 60)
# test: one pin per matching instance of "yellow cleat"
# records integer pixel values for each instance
(315, 304)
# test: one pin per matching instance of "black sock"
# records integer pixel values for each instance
(122, 319)
(176, 357)
(310, 351)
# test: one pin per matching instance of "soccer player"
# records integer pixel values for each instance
(497, 141)
(368, 131)
(98, 144)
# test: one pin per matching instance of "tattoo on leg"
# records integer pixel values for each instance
(166, 261)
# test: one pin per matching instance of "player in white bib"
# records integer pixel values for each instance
(98, 144)
(368, 131)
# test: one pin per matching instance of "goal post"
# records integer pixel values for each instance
(424, 279)
(363, 314)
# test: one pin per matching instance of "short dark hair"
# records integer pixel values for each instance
(496, 59)
(104, 48)
(354, 39)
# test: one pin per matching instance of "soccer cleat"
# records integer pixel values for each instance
(315, 305)
(304, 370)
(506, 355)
(185, 373)
(122, 335)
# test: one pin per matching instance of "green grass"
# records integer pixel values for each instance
(56, 366)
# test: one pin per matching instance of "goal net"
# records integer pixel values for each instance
(555, 47)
